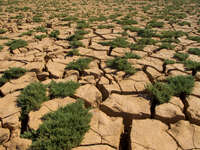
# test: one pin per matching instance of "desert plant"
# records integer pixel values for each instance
(165, 63)
(14, 73)
(73, 52)
(41, 29)
(70, 18)
(2, 31)
(121, 64)
(192, 65)
(181, 56)
(75, 44)
(172, 34)
(81, 24)
(167, 45)
(137, 46)
(28, 33)
(62, 129)
(183, 23)
(37, 18)
(54, 34)
(30, 99)
(81, 64)
(130, 55)
(155, 24)
(132, 28)
(40, 37)
(15, 44)
(105, 26)
(194, 38)
(62, 89)
(1, 47)
(146, 33)
(182, 85)
(195, 51)
(126, 21)
(160, 93)
(117, 42)
(146, 41)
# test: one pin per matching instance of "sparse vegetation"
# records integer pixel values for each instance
(192, 65)
(62, 89)
(181, 56)
(72, 121)
(195, 51)
(15, 44)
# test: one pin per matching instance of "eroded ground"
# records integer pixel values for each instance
(152, 30)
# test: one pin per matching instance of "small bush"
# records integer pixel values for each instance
(70, 18)
(155, 24)
(117, 42)
(184, 23)
(160, 92)
(192, 65)
(28, 33)
(37, 19)
(2, 31)
(137, 46)
(166, 45)
(31, 98)
(40, 37)
(131, 55)
(105, 26)
(54, 33)
(127, 22)
(121, 64)
(14, 73)
(181, 56)
(132, 28)
(172, 34)
(14, 44)
(1, 47)
(194, 38)
(73, 52)
(62, 129)
(41, 29)
(80, 64)
(3, 81)
(62, 89)
(181, 85)
(146, 41)
(167, 61)
(82, 24)
(76, 44)
(195, 51)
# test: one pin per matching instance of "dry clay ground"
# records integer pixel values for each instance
(120, 106)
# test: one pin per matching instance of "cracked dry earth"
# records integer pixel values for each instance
(120, 106)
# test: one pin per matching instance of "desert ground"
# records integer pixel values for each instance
(99, 75)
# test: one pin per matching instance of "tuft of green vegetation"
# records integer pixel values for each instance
(194, 38)
(132, 28)
(155, 24)
(165, 63)
(172, 34)
(105, 26)
(14, 73)
(127, 22)
(181, 85)
(146, 41)
(28, 33)
(159, 93)
(37, 18)
(76, 44)
(78, 35)
(130, 55)
(81, 24)
(40, 37)
(62, 129)
(184, 23)
(137, 46)
(2, 31)
(121, 64)
(181, 56)
(146, 33)
(70, 18)
(31, 98)
(117, 42)
(62, 89)
(80, 64)
(195, 51)
(1, 47)
(54, 33)
(41, 29)
(73, 52)
(192, 65)
(14, 44)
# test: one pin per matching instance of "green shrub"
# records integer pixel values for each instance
(181, 85)
(37, 19)
(29, 33)
(62, 129)
(41, 29)
(155, 24)
(146, 41)
(172, 34)
(70, 18)
(165, 63)
(1, 47)
(54, 33)
(80, 64)
(117, 42)
(105, 26)
(146, 33)
(40, 37)
(2, 31)
(121, 64)
(31, 98)
(183, 23)
(127, 22)
(131, 55)
(137, 46)
(195, 51)
(73, 52)
(82, 24)
(181, 56)
(194, 38)
(62, 89)
(132, 28)
(76, 44)
(170, 40)
(3, 81)
(14, 44)
(14, 73)
(159, 93)
(192, 65)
